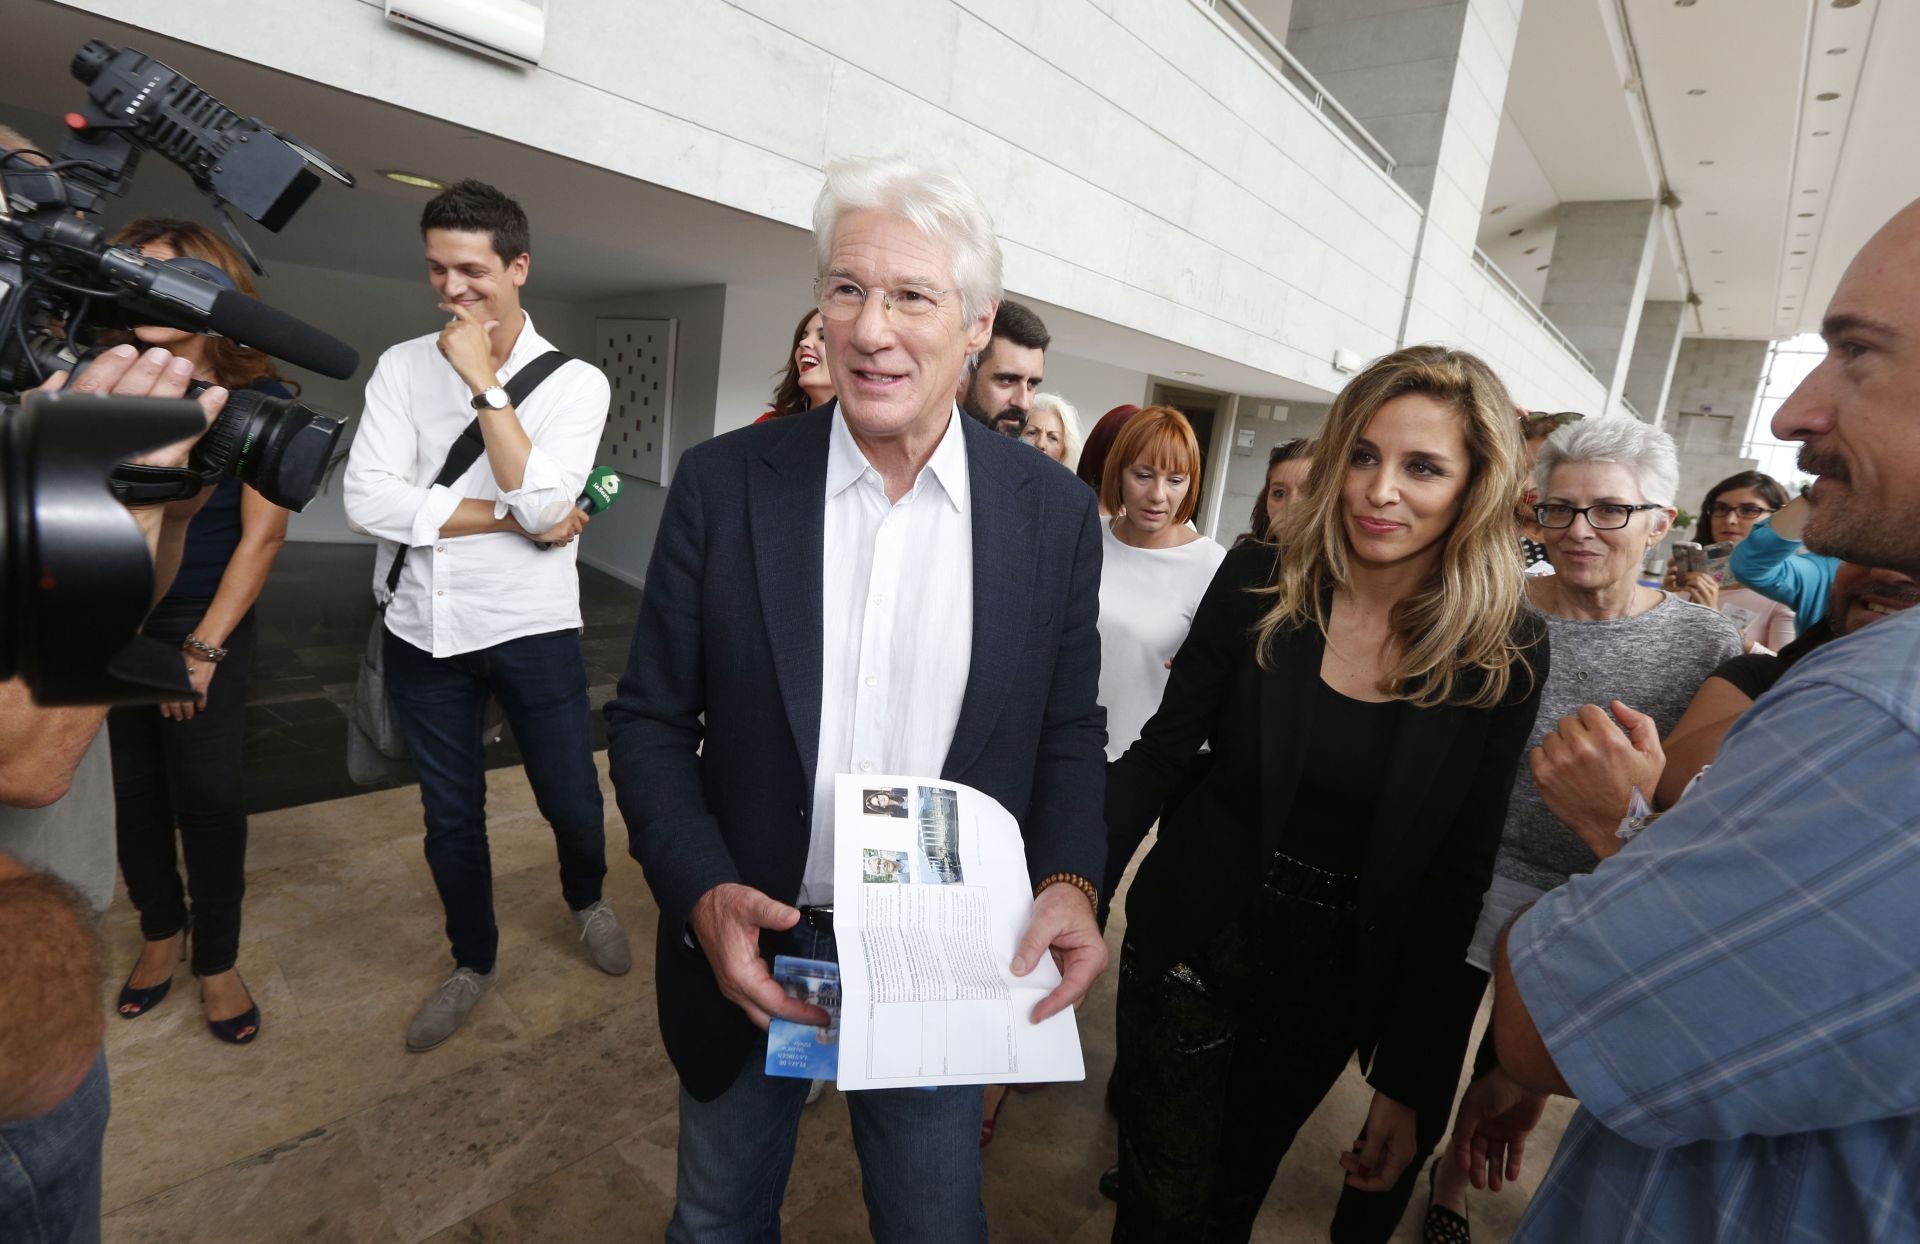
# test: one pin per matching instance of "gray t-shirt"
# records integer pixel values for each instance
(73, 837)
(1653, 662)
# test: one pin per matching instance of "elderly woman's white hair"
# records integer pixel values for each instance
(1071, 437)
(935, 199)
(1642, 448)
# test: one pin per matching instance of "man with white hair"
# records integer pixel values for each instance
(834, 593)
(1735, 996)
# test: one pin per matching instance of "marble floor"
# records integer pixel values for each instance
(551, 1115)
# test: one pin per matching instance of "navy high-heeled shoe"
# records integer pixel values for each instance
(137, 1002)
(241, 1028)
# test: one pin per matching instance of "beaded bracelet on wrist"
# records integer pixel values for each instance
(1073, 879)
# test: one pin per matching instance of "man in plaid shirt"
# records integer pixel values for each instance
(1735, 996)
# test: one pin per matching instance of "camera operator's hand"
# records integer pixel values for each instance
(126, 372)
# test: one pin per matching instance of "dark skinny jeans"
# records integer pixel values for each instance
(184, 779)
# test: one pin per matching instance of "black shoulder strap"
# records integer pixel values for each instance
(469, 445)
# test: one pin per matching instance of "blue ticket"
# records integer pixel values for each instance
(804, 1051)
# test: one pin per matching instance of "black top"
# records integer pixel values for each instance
(1754, 673)
(214, 533)
(1340, 780)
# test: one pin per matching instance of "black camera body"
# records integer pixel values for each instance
(75, 578)
(64, 290)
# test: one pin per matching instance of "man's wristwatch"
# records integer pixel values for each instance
(492, 399)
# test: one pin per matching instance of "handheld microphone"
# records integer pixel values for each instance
(602, 490)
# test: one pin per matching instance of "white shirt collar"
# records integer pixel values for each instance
(528, 346)
(948, 466)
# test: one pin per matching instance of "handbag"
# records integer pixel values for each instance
(374, 741)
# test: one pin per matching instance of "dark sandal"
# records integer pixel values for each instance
(1442, 1226)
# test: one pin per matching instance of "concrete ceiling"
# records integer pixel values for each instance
(597, 234)
(1762, 167)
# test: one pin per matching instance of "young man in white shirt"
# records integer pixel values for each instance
(482, 609)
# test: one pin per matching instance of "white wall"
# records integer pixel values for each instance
(1093, 388)
(1271, 423)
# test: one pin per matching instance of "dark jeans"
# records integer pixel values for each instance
(186, 777)
(919, 1151)
(50, 1168)
(441, 702)
(1224, 1056)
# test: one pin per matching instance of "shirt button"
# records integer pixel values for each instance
(439, 593)
(866, 766)
(871, 680)
(440, 548)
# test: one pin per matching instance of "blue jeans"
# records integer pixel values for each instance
(919, 1152)
(50, 1168)
(441, 702)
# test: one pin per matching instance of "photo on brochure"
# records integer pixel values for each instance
(940, 834)
(885, 867)
(885, 802)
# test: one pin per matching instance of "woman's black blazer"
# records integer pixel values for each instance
(1443, 799)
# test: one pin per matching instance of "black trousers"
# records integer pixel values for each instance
(1222, 1058)
(184, 779)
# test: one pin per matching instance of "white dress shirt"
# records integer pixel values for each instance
(897, 580)
(463, 593)
(1147, 602)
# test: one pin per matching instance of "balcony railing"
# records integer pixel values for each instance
(1236, 17)
(1505, 284)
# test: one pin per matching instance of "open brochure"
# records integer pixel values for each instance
(931, 897)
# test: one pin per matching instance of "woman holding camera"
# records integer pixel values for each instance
(1367, 687)
(177, 767)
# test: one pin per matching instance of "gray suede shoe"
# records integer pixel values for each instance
(441, 1015)
(606, 940)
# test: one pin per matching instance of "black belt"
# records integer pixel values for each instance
(820, 918)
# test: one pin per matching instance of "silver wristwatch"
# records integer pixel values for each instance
(492, 399)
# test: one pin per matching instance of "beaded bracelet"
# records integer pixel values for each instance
(202, 649)
(1073, 879)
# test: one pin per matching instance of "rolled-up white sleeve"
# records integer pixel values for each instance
(565, 440)
(381, 499)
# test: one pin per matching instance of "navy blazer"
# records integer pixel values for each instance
(712, 739)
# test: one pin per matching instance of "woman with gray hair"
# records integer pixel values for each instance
(1606, 490)
(1053, 428)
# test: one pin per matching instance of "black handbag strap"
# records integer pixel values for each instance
(469, 445)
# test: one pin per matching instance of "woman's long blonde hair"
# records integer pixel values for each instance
(1455, 632)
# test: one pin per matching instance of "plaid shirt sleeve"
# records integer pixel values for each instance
(1751, 964)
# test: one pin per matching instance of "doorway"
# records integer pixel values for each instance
(1209, 413)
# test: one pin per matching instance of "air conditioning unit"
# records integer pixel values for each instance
(514, 31)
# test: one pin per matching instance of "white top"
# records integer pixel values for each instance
(897, 591)
(1147, 599)
(465, 593)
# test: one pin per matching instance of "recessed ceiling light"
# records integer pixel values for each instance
(1804, 215)
(1827, 97)
(1529, 250)
(1845, 4)
(1541, 268)
(1514, 233)
(1796, 252)
(1810, 190)
(416, 180)
(1496, 211)
(1714, 212)
(1705, 163)
(1698, 90)
(1684, 4)
(1191, 375)
(1821, 133)
(1836, 51)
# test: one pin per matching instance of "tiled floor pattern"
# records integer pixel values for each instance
(551, 1116)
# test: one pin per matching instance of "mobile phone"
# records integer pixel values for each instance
(1688, 557)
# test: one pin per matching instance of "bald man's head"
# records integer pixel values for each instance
(1857, 414)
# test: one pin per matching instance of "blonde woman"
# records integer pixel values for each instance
(1053, 428)
(1367, 692)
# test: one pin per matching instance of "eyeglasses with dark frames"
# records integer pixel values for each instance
(1751, 512)
(1609, 516)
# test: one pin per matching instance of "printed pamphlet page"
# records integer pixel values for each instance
(931, 897)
